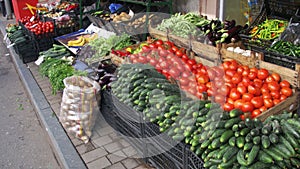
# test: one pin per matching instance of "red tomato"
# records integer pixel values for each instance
(185, 57)
(168, 44)
(211, 73)
(286, 91)
(241, 89)
(282, 97)
(146, 49)
(230, 73)
(258, 83)
(262, 108)
(227, 79)
(254, 90)
(255, 113)
(226, 65)
(276, 101)
(211, 92)
(275, 94)
(246, 72)
(164, 53)
(159, 42)
(257, 102)
(153, 62)
(266, 96)
(269, 79)
(230, 101)
(268, 103)
(152, 45)
(219, 83)
(247, 97)
(252, 75)
(264, 88)
(185, 74)
(242, 117)
(179, 53)
(174, 73)
(184, 81)
(273, 86)
(201, 88)
(202, 79)
(224, 90)
(247, 107)
(240, 70)
(233, 65)
(246, 81)
(262, 74)
(174, 49)
(164, 65)
(276, 77)
(230, 85)
(234, 94)
(236, 78)
(219, 72)
(238, 104)
(284, 83)
(228, 107)
(219, 99)
(254, 70)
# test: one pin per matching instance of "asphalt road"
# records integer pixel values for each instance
(24, 143)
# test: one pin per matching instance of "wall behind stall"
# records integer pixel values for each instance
(186, 6)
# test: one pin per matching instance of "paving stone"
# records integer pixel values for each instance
(143, 166)
(84, 148)
(124, 142)
(102, 141)
(114, 136)
(95, 135)
(105, 131)
(112, 147)
(130, 163)
(116, 166)
(93, 155)
(116, 157)
(99, 163)
(76, 142)
(130, 151)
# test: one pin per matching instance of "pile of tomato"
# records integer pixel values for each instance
(36, 26)
(230, 84)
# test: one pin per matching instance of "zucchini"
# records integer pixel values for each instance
(226, 136)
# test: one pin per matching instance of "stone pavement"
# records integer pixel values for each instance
(106, 149)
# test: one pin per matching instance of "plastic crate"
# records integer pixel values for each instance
(193, 161)
(161, 160)
(281, 60)
(163, 143)
(107, 110)
(27, 51)
(271, 9)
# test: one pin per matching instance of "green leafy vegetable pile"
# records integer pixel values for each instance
(57, 70)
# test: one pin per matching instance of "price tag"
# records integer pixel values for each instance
(5, 37)
(39, 60)
(32, 19)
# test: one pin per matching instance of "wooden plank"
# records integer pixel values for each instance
(205, 61)
(204, 50)
(244, 60)
(179, 41)
(290, 105)
(158, 34)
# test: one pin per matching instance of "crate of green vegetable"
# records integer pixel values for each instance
(269, 24)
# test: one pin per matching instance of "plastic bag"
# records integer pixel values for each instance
(79, 107)
(292, 32)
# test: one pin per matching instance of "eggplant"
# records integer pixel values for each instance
(96, 78)
(105, 79)
(234, 31)
(113, 78)
(100, 72)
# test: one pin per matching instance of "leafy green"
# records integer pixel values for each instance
(57, 70)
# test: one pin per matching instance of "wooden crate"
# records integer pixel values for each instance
(181, 42)
(244, 60)
(206, 51)
(290, 105)
(157, 33)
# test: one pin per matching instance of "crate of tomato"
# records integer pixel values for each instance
(42, 33)
(269, 24)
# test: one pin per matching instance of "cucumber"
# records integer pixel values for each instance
(232, 141)
(242, 124)
(217, 133)
(281, 150)
(241, 158)
(294, 123)
(228, 164)
(225, 116)
(178, 137)
(264, 157)
(206, 143)
(220, 124)
(244, 131)
(273, 154)
(226, 136)
(265, 141)
(235, 113)
(253, 153)
(235, 127)
(259, 165)
(273, 138)
(240, 142)
(229, 154)
(249, 123)
(215, 143)
(256, 140)
(231, 122)
(248, 138)
(286, 127)
(287, 144)
(257, 123)
(292, 140)
(287, 163)
(248, 146)
(266, 130)
(295, 162)
(254, 132)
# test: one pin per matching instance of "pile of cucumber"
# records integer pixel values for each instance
(57, 51)
(220, 138)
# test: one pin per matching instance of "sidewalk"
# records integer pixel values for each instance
(106, 148)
